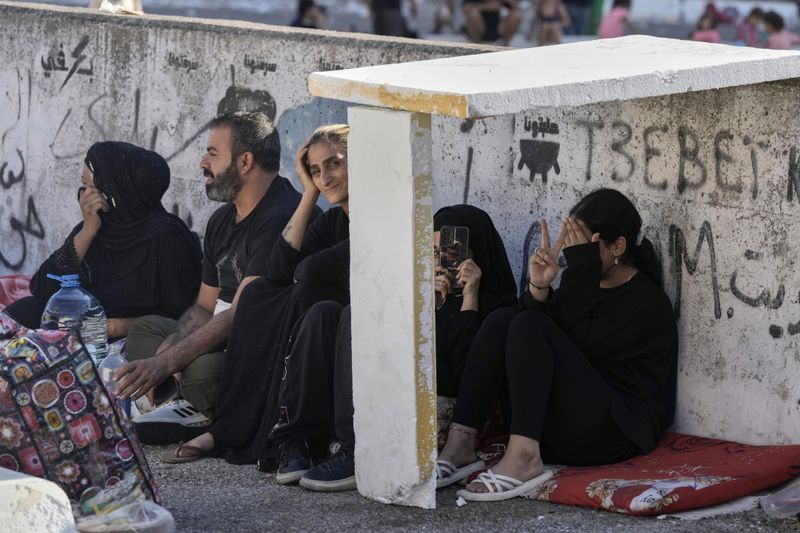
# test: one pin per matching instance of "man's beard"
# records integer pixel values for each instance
(225, 186)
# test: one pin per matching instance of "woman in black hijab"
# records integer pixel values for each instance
(316, 394)
(458, 319)
(131, 254)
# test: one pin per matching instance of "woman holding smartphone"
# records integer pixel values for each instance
(319, 364)
(308, 264)
(131, 254)
(589, 369)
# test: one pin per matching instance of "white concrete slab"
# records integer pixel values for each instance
(33, 504)
(566, 75)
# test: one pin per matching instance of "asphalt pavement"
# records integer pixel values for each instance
(211, 495)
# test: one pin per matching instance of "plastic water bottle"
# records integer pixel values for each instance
(74, 309)
(107, 368)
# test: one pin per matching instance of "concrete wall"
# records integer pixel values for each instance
(716, 176)
(156, 82)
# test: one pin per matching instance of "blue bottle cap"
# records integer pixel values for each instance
(67, 280)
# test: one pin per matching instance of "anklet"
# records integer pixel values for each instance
(457, 429)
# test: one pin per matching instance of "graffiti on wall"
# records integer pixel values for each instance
(24, 223)
(690, 251)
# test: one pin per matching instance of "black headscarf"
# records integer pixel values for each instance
(133, 180)
(128, 252)
(488, 250)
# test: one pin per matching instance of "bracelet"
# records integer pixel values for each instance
(537, 287)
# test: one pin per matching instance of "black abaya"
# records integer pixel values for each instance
(260, 338)
(143, 260)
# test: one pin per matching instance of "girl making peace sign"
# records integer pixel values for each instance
(586, 373)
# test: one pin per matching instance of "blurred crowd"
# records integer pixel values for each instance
(540, 22)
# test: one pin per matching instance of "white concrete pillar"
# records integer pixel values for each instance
(391, 284)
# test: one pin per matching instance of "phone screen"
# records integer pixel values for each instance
(453, 246)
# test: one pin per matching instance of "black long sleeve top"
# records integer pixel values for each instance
(455, 331)
(628, 333)
(323, 258)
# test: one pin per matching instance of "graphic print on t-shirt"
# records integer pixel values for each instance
(229, 273)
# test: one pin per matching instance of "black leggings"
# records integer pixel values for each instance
(556, 395)
(316, 395)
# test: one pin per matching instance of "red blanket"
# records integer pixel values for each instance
(12, 288)
(684, 472)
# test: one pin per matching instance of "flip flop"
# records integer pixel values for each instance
(447, 473)
(195, 454)
(502, 487)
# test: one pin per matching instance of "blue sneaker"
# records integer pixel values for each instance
(295, 461)
(336, 474)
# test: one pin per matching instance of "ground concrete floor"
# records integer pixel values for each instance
(211, 495)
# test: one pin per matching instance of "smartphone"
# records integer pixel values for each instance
(453, 245)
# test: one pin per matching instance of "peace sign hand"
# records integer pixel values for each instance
(543, 265)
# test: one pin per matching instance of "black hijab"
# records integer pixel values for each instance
(129, 259)
(133, 180)
(489, 252)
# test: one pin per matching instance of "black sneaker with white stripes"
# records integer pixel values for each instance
(175, 421)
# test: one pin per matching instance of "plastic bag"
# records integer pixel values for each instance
(142, 516)
(785, 503)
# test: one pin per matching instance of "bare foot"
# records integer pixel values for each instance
(522, 461)
(204, 442)
(460, 446)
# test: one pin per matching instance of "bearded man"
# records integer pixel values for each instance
(179, 364)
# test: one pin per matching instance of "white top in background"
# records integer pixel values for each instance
(565, 75)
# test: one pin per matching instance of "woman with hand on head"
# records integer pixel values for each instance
(131, 254)
(308, 264)
(589, 369)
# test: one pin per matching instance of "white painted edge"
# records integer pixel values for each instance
(409, 86)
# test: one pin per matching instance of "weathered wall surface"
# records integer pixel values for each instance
(716, 175)
(70, 77)
(716, 178)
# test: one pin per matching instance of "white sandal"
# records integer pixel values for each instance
(447, 473)
(502, 487)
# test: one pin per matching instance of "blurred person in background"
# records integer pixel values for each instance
(445, 12)
(579, 11)
(706, 30)
(492, 20)
(387, 17)
(551, 17)
(778, 37)
(749, 32)
(616, 22)
(310, 15)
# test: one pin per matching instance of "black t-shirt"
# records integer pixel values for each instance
(233, 251)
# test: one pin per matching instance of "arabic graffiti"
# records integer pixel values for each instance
(181, 61)
(539, 156)
(329, 65)
(32, 226)
(255, 64)
(59, 64)
(541, 127)
(9, 178)
(11, 174)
